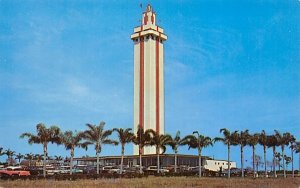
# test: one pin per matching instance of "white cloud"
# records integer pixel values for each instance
(75, 88)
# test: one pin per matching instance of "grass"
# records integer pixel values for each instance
(169, 182)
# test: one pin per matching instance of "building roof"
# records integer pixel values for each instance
(136, 156)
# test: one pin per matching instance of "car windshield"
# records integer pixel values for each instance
(14, 169)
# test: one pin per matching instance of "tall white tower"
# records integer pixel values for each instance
(148, 76)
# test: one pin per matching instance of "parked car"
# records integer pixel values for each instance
(153, 169)
(138, 167)
(35, 170)
(2, 167)
(14, 171)
(51, 170)
(127, 169)
(236, 172)
(89, 170)
(67, 169)
(195, 170)
(110, 169)
(81, 167)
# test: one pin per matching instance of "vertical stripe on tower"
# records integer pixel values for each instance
(141, 82)
(152, 18)
(146, 18)
(157, 85)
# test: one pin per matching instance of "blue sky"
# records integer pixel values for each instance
(232, 64)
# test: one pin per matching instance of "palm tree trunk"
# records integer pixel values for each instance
(274, 161)
(293, 174)
(140, 152)
(71, 161)
(175, 161)
(242, 160)
(8, 160)
(97, 162)
(228, 157)
(200, 163)
(283, 161)
(253, 160)
(44, 161)
(122, 158)
(265, 160)
(157, 152)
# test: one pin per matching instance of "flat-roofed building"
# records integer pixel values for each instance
(147, 160)
(166, 160)
(217, 165)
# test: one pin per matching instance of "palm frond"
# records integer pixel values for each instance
(97, 136)
(219, 139)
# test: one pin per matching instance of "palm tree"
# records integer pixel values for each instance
(228, 139)
(38, 157)
(10, 155)
(19, 156)
(284, 140)
(293, 147)
(50, 158)
(67, 159)
(29, 157)
(97, 136)
(199, 141)
(175, 143)
(278, 159)
(257, 160)
(125, 136)
(287, 160)
(297, 150)
(58, 158)
(263, 141)
(1, 151)
(242, 140)
(160, 141)
(273, 142)
(44, 136)
(253, 141)
(142, 139)
(71, 141)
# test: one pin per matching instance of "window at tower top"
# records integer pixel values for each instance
(148, 16)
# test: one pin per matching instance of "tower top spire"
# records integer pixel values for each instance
(148, 26)
(149, 8)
